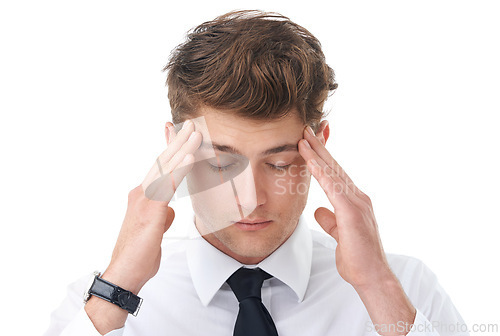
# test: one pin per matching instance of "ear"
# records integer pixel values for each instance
(324, 132)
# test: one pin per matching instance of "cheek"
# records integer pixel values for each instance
(215, 207)
(213, 199)
(294, 183)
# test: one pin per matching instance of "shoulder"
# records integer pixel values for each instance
(404, 263)
(400, 264)
(418, 280)
(409, 270)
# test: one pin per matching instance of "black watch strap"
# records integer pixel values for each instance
(112, 293)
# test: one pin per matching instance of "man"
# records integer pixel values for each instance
(249, 89)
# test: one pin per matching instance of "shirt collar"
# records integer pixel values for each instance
(290, 263)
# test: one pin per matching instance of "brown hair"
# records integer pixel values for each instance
(256, 64)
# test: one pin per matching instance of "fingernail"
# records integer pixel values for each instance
(306, 143)
(191, 136)
(186, 124)
(310, 130)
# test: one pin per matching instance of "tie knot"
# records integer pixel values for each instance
(247, 282)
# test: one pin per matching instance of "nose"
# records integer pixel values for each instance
(249, 190)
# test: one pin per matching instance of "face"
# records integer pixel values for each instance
(248, 171)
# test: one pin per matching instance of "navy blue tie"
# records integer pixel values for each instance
(253, 318)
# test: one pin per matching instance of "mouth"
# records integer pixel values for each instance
(252, 225)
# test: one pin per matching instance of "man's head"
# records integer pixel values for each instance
(257, 79)
(254, 64)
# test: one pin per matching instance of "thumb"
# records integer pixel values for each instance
(328, 221)
(170, 218)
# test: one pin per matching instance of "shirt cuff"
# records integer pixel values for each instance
(422, 326)
(81, 325)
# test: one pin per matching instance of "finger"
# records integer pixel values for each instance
(322, 152)
(177, 142)
(332, 185)
(170, 218)
(328, 221)
(163, 188)
(326, 157)
(189, 147)
(309, 154)
(162, 164)
(354, 195)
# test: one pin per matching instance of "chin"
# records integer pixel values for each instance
(250, 246)
(254, 252)
(250, 257)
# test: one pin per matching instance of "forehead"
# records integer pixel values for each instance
(223, 124)
(230, 133)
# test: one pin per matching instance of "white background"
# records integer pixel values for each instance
(83, 105)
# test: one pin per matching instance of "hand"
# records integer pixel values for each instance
(137, 254)
(359, 255)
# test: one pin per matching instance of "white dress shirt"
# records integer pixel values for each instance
(306, 295)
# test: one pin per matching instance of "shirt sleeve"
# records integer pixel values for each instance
(71, 319)
(436, 313)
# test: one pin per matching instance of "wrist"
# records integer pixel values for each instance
(382, 281)
(124, 280)
(375, 280)
(386, 302)
(107, 304)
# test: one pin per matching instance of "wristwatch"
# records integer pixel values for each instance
(112, 293)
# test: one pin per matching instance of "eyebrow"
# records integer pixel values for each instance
(229, 149)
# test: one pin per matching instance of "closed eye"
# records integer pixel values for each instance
(220, 169)
(279, 168)
(224, 168)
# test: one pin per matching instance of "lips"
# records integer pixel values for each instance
(253, 225)
(254, 221)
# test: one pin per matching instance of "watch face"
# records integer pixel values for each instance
(86, 295)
